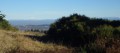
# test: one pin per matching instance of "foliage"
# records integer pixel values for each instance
(69, 29)
(4, 24)
(103, 31)
(82, 31)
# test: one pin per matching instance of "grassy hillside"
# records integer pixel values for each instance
(73, 34)
(13, 41)
(18, 42)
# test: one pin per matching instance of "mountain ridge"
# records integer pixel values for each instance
(46, 21)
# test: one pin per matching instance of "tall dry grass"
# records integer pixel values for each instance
(16, 42)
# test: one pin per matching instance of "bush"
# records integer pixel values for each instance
(117, 33)
(104, 31)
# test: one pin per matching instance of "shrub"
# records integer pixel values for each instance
(117, 33)
(104, 31)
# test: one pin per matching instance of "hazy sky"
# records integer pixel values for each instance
(52, 9)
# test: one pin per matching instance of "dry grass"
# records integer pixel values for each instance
(15, 42)
(108, 45)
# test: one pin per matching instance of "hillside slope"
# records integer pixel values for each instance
(16, 42)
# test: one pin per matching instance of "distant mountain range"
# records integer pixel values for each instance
(45, 22)
(31, 22)
(111, 18)
(32, 27)
(26, 25)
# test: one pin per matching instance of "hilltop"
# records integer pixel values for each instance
(73, 34)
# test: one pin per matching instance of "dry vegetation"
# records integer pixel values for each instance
(16, 42)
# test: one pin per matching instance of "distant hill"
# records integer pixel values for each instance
(45, 22)
(32, 27)
(111, 18)
(31, 22)
(27, 25)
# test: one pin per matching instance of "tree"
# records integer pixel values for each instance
(91, 34)
(2, 16)
(71, 30)
(4, 24)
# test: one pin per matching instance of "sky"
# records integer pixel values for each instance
(54, 9)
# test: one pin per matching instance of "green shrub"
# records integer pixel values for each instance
(104, 31)
(117, 33)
